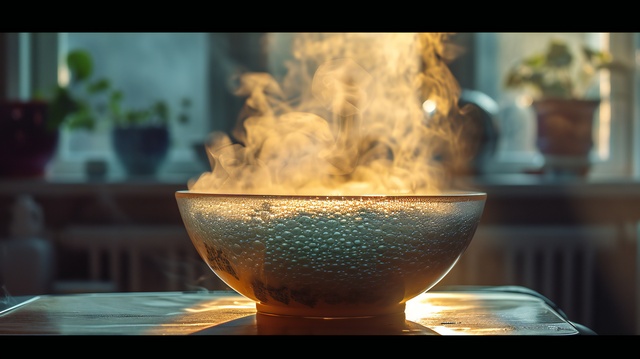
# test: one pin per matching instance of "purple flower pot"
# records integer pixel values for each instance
(27, 145)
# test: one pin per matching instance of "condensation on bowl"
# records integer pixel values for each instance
(330, 256)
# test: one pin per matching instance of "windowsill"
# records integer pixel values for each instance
(536, 185)
(501, 185)
(181, 165)
(79, 186)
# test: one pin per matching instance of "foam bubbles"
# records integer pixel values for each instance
(331, 248)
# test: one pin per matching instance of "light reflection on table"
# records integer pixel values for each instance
(466, 312)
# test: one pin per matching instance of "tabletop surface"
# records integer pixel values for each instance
(466, 311)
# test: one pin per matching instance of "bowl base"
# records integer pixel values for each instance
(332, 312)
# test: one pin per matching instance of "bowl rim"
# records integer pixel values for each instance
(455, 195)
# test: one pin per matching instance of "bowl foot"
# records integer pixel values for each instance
(331, 312)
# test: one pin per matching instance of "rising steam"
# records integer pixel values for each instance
(347, 119)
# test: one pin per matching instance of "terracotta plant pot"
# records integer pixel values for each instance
(565, 134)
(27, 145)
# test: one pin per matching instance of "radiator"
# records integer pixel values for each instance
(137, 258)
(558, 262)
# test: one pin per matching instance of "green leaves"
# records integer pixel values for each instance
(85, 101)
(557, 72)
(185, 104)
(68, 105)
(558, 55)
(83, 117)
(598, 59)
(161, 110)
(99, 86)
(60, 106)
(80, 65)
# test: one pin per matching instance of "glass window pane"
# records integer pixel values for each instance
(150, 66)
(146, 67)
(496, 53)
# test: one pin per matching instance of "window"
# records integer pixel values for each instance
(148, 66)
(612, 153)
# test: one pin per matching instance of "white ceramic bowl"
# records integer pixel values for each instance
(330, 256)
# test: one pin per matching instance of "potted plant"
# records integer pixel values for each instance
(27, 141)
(29, 129)
(140, 137)
(558, 81)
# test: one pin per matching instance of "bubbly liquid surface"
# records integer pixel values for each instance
(330, 257)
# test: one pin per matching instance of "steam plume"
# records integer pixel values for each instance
(346, 119)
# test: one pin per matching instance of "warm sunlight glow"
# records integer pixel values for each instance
(603, 132)
(429, 106)
(63, 75)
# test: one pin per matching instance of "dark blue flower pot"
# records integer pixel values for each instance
(141, 150)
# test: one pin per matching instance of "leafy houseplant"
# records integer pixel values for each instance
(85, 101)
(559, 81)
(140, 137)
(558, 73)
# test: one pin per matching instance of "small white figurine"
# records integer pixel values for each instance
(28, 219)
